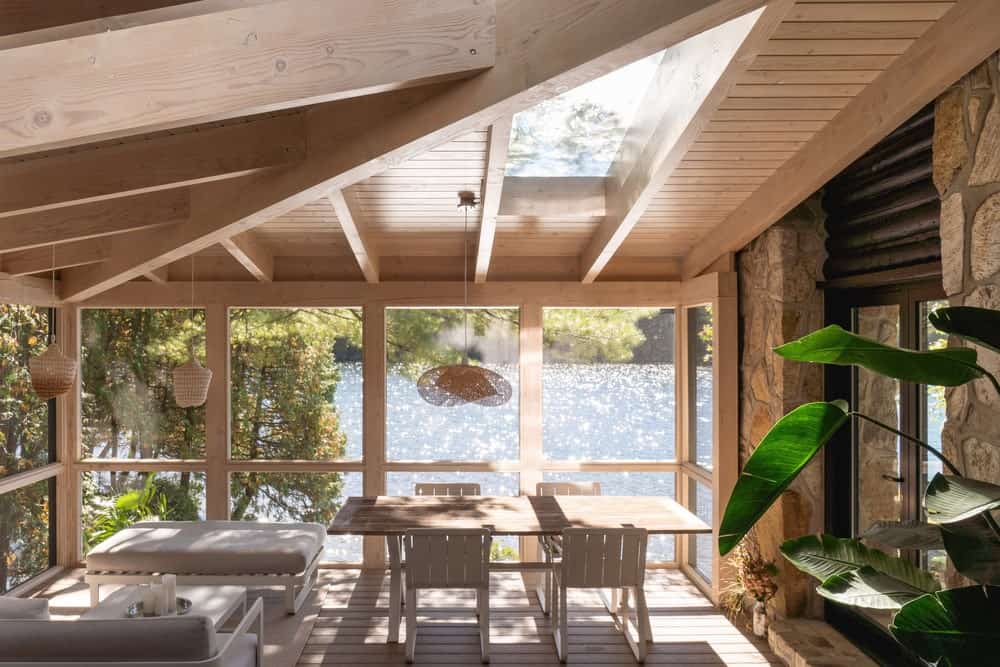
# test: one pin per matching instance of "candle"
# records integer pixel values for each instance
(158, 600)
(148, 598)
(170, 592)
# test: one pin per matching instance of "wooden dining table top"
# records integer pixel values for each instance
(512, 515)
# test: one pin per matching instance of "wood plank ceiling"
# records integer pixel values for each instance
(791, 82)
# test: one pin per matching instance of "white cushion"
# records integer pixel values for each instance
(242, 652)
(209, 547)
(29, 609)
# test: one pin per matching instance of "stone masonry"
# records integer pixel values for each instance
(779, 302)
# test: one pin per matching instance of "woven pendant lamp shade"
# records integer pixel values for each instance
(52, 373)
(448, 386)
(191, 381)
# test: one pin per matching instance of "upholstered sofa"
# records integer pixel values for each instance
(178, 641)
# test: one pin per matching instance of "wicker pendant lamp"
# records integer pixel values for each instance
(191, 379)
(52, 373)
(458, 384)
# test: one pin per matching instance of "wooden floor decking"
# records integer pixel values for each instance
(352, 625)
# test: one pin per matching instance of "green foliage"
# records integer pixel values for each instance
(833, 345)
(502, 552)
(146, 503)
(588, 335)
(825, 556)
(781, 455)
(24, 444)
(952, 628)
(915, 535)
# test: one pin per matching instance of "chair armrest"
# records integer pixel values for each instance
(255, 613)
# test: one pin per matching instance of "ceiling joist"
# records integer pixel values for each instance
(355, 228)
(38, 260)
(545, 48)
(954, 45)
(233, 61)
(692, 80)
(489, 205)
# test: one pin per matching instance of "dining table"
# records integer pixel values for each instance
(523, 516)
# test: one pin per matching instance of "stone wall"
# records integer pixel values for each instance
(779, 302)
(967, 175)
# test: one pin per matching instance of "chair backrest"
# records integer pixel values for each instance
(447, 489)
(568, 489)
(603, 557)
(456, 558)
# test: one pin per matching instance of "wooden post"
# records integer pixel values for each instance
(373, 369)
(217, 412)
(530, 404)
(725, 414)
(682, 544)
(69, 524)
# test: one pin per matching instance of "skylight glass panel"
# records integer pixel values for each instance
(578, 133)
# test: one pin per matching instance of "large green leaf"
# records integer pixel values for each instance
(867, 587)
(782, 453)
(834, 345)
(951, 499)
(825, 556)
(916, 535)
(954, 628)
(979, 325)
(974, 549)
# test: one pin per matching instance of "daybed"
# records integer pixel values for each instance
(211, 552)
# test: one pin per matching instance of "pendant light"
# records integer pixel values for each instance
(52, 373)
(191, 380)
(458, 384)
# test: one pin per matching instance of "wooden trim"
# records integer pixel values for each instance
(256, 259)
(36, 583)
(696, 578)
(542, 48)
(962, 39)
(531, 457)
(352, 223)
(725, 431)
(257, 465)
(141, 465)
(373, 350)
(217, 413)
(444, 294)
(160, 276)
(682, 393)
(906, 274)
(69, 513)
(237, 61)
(492, 189)
(695, 471)
(29, 477)
(705, 67)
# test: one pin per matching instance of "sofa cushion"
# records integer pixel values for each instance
(168, 638)
(209, 547)
(242, 652)
(36, 609)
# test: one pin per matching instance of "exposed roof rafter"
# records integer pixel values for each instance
(255, 258)
(693, 79)
(352, 222)
(489, 205)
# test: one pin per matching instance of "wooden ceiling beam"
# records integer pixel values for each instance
(492, 189)
(352, 222)
(236, 61)
(954, 45)
(691, 81)
(255, 258)
(543, 49)
(159, 276)
(38, 260)
(160, 161)
(63, 225)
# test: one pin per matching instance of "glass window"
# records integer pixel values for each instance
(24, 418)
(114, 500)
(298, 497)
(700, 381)
(128, 404)
(933, 416)
(25, 533)
(703, 545)
(579, 132)
(608, 384)
(660, 547)
(418, 339)
(296, 389)
(505, 547)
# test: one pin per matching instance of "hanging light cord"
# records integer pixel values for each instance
(465, 281)
(52, 338)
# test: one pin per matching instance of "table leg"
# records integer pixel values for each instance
(395, 586)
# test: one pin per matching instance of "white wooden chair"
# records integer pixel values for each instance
(447, 489)
(548, 547)
(603, 558)
(448, 559)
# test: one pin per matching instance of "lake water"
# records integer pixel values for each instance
(601, 412)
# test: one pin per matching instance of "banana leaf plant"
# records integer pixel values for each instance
(954, 627)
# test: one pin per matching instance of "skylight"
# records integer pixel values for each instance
(578, 133)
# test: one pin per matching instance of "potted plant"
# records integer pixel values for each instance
(755, 578)
(953, 627)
